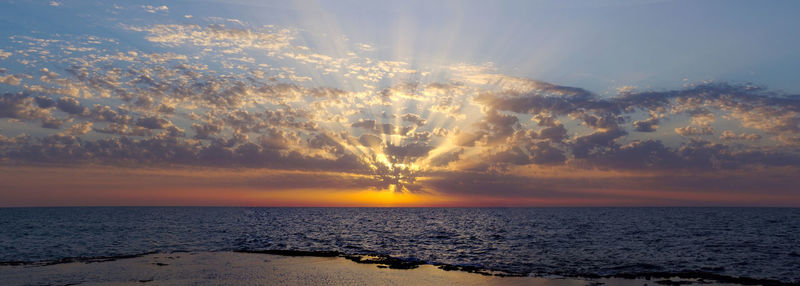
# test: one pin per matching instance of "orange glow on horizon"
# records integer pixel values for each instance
(111, 186)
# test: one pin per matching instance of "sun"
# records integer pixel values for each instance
(394, 176)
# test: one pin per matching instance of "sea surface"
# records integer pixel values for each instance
(762, 243)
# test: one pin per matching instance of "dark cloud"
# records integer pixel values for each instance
(206, 131)
(370, 140)
(153, 122)
(609, 113)
(596, 142)
(552, 99)
(20, 106)
(52, 123)
(413, 118)
(424, 136)
(698, 155)
(545, 154)
(70, 105)
(497, 126)
(80, 128)
(446, 158)
(514, 155)
(45, 102)
(553, 133)
(366, 124)
(166, 150)
(107, 114)
(609, 148)
(648, 125)
(328, 142)
(602, 121)
(648, 154)
(278, 139)
(406, 152)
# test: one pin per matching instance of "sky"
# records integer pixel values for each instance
(399, 103)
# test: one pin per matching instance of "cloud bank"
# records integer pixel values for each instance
(224, 94)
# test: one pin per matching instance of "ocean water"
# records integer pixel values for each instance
(762, 243)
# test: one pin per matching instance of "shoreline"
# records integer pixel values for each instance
(265, 266)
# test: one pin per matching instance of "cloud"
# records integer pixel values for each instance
(278, 139)
(597, 142)
(621, 189)
(544, 98)
(694, 131)
(153, 9)
(543, 140)
(153, 122)
(107, 114)
(555, 133)
(380, 128)
(4, 54)
(240, 94)
(59, 148)
(369, 140)
(70, 105)
(497, 127)
(10, 79)
(545, 154)
(122, 129)
(730, 135)
(637, 155)
(327, 93)
(365, 47)
(80, 128)
(648, 125)
(413, 118)
(446, 158)
(44, 102)
(53, 123)
(408, 151)
(229, 40)
(467, 139)
(20, 106)
(206, 131)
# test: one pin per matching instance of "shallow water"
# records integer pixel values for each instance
(750, 242)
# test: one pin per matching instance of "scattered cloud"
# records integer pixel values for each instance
(154, 9)
(224, 94)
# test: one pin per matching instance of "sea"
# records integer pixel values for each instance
(758, 243)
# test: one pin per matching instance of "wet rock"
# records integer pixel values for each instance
(391, 262)
(294, 252)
